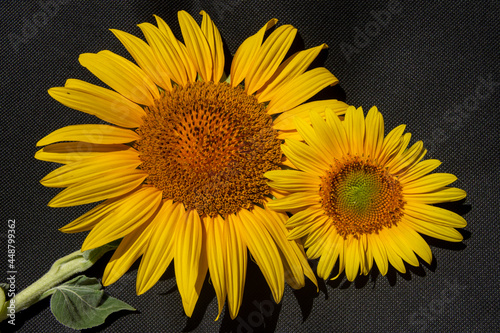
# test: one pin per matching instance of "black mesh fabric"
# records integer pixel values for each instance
(433, 65)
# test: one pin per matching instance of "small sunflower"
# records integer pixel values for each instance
(358, 197)
(181, 167)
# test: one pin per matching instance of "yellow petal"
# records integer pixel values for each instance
(400, 246)
(134, 210)
(97, 134)
(434, 214)
(293, 180)
(145, 58)
(295, 201)
(392, 255)
(192, 298)
(164, 28)
(214, 39)
(136, 72)
(166, 53)
(352, 257)
(107, 185)
(411, 156)
(338, 132)
(216, 259)
(197, 45)
(89, 168)
(317, 241)
(159, 252)
(268, 57)
(418, 171)
(354, 124)
(330, 146)
(292, 255)
(69, 152)
(391, 143)
(318, 235)
(121, 75)
(400, 150)
(366, 257)
(288, 70)
(342, 262)
(374, 132)
(415, 242)
(244, 56)
(264, 251)
(305, 216)
(100, 102)
(285, 121)
(379, 253)
(304, 230)
(308, 272)
(304, 157)
(311, 137)
(429, 183)
(293, 134)
(236, 264)
(333, 248)
(434, 230)
(278, 193)
(179, 47)
(446, 194)
(188, 245)
(300, 89)
(130, 249)
(88, 220)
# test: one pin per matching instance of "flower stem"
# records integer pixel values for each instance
(60, 271)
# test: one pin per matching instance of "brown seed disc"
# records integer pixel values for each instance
(208, 146)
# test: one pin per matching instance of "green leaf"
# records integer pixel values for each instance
(4, 286)
(3, 290)
(2, 296)
(80, 303)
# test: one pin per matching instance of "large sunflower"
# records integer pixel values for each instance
(359, 197)
(181, 167)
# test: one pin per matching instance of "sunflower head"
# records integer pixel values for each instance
(360, 197)
(180, 166)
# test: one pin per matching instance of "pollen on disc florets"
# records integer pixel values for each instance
(208, 146)
(361, 197)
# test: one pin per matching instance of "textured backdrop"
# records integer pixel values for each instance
(433, 65)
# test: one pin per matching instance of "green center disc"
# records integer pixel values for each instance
(361, 197)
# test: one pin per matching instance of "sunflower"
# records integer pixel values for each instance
(358, 197)
(181, 164)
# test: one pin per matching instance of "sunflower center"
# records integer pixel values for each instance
(361, 197)
(208, 146)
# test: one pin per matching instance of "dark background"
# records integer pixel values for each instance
(433, 65)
